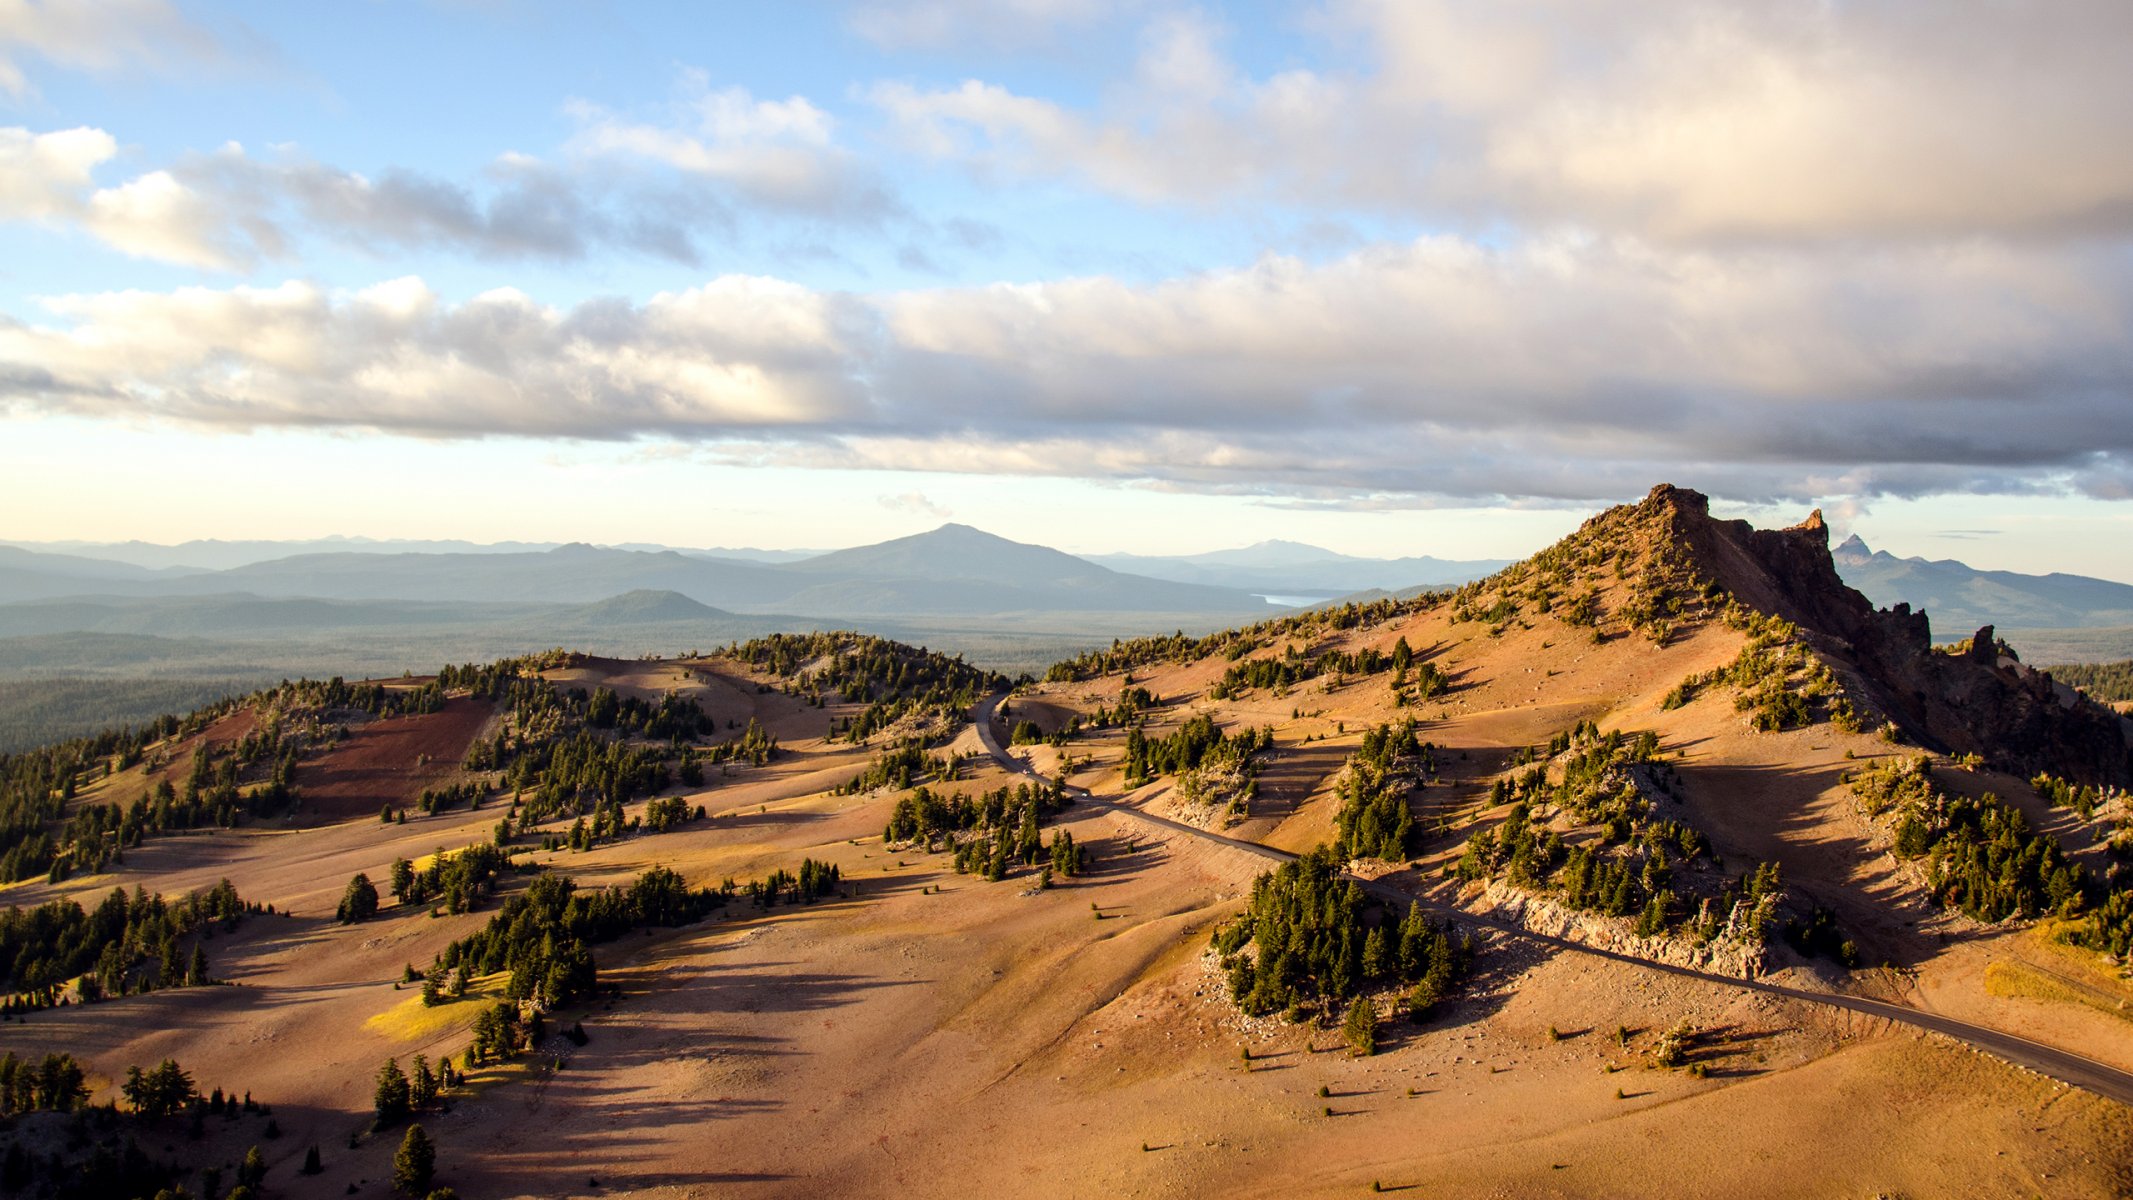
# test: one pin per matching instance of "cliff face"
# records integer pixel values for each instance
(1976, 702)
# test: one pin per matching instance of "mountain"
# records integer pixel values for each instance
(215, 554)
(951, 570)
(1283, 568)
(1960, 598)
(958, 568)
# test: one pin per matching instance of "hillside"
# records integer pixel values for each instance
(1666, 742)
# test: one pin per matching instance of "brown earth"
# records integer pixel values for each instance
(929, 1033)
(391, 760)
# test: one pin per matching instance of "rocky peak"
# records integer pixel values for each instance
(1964, 702)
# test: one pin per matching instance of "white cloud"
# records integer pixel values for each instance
(1013, 24)
(43, 175)
(228, 210)
(776, 153)
(915, 502)
(1560, 367)
(156, 216)
(1677, 119)
(100, 36)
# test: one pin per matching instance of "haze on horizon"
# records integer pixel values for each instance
(1106, 275)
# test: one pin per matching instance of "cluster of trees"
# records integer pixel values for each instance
(376, 699)
(125, 945)
(893, 680)
(359, 901)
(669, 812)
(1316, 946)
(1981, 855)
(1374, 820)
(160, 1091)
(37, 787)
(990, 833)
(1624, 860)
(399, 1094)
(816, 879)
(1985, 860)
(54, 1083)
(544, 935)
(900, 766)
(1187, 747)
(461, 880)
(36, 835)
(930, 819)
(2065, 793)
(1128, 656)
(1134, 702)
(2111, 683)
(444, 799)
(95, 1154)
(1776, 679)
(674, 718)
(1292, 667)
(568, 773)
(754, 746)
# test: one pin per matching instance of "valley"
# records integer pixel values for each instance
(1632, 782)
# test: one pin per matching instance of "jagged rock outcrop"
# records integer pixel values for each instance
(1978, 701)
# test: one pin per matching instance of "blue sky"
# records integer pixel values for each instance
(1395, 278)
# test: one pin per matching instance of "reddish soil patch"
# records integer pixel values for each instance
(390, 761)
(219, 736)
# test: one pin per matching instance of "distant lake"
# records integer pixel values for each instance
(1294, 601)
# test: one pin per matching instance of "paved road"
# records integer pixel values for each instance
(2062, 1065)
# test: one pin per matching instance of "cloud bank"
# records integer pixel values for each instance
(1564, 369)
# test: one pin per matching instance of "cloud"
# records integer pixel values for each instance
(99, 36)
(43, 175)
(1001, 24)
(1558, 368)
(737, 355)
(229, 210)
(719, 160)
(915, 502)
(1676, 120)
(772, 154)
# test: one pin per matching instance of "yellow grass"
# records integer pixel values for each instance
(2008, 979)
(413, 1021)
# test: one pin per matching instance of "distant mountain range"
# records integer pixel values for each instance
(952, 571)
(214, 554)
(1959, 598)
(1293, 569)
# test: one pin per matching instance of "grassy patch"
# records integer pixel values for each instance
(413, 1021)
(2016, 979)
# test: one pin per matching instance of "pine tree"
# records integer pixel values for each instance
(196, 973)
(1361, 1027)
(312, 1166)
(253, 1170)
(359, 902)
(391, 1096)
(415, 1163)
(421, 1084)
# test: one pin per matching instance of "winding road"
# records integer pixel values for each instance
(2063, 1065)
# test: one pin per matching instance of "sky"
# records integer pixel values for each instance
(1389, 276)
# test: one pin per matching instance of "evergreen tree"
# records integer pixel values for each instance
(391, 1096)
(312, 1166)
(359, 902)
(252, 1172)
(196, 973)
(415, 1163)
(1361, 1027)
(421, 1084)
